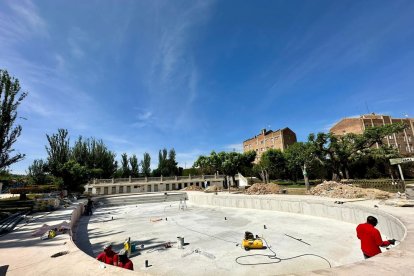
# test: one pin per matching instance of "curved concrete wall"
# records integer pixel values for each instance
(388, 224)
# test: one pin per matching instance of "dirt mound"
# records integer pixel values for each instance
(263, 189)
(212, 189)
(338, 190)
(192, 188)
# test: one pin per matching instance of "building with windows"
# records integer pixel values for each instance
(403, 142)
(269, 139)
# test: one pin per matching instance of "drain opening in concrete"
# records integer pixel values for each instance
(59, 254)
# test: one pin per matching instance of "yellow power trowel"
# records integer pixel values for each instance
(251, 242)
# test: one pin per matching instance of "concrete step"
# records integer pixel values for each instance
(120, 200)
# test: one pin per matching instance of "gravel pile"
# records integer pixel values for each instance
(337, 190)
(193, 188)
(212, 189)
(263, 189)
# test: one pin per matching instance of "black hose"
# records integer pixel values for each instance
(274, 259)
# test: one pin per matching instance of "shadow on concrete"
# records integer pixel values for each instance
(81, 238)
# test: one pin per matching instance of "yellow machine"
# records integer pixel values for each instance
(251, 242)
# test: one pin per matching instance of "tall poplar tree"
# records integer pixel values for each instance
(10, 100)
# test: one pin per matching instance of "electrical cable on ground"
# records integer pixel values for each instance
(274, 258)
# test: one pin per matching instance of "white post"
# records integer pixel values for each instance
(401, 173)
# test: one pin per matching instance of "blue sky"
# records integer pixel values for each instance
(202, 75)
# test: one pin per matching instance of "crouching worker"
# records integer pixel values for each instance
(123, 260)
(107, 256)
(371, 238)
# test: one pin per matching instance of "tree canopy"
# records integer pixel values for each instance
(10, 99)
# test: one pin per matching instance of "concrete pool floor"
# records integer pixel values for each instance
(214, 242)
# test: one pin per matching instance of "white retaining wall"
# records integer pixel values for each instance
(347, 212)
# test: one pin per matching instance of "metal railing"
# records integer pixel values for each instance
(384, 185)
(155, 179)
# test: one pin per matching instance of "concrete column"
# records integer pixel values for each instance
(189, 176)
(161, 178)
(113, 181)
(130, 179)
(146, 179)
(94, 181)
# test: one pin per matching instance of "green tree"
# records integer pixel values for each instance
(126, 171)
(300, 156)
(162, 163)
(133, 161)
(167, 165)
(234, 163)
(146, 164)
(37, 172)
(337, 152)
(62, 165)
(95, 156)
(74, 175)
(203, 164)
(271, 164)
(58, 151)
(9, 101)
(172, 169)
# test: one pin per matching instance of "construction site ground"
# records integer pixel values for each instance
(213, 237)
(23, 254)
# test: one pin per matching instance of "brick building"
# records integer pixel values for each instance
(403, 141)
(269, 139)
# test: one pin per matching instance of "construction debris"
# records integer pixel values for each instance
(337, 190)
(198, 251)
(263, 189)
(212, 189)
(192, 188)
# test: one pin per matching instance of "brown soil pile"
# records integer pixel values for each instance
(263, 189)
(192, 188)
(338, 190)
(212, 189)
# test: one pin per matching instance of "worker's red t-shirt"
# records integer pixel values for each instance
(107, 257)
(370, 239)
(128, 265)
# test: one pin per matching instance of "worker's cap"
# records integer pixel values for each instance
(107, 246)
(122, 252)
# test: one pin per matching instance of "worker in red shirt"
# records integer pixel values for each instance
(123, 260)
(107, 256)
(371, 238)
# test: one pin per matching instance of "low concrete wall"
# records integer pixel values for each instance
(388, 224)
(74, 218)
